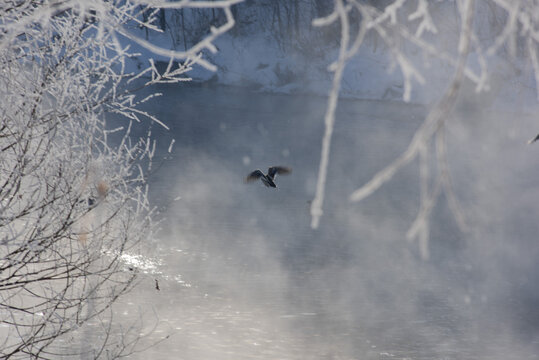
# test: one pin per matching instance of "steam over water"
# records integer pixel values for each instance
(243, 276)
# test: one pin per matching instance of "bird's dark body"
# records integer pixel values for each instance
(268, 180)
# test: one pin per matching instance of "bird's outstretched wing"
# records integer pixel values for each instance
(281, 170)
(255, 175)
(534, 139)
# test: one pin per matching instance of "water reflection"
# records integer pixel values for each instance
(242, 275)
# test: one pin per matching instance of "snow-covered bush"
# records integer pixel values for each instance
(73, 203)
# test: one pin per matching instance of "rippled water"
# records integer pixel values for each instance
(242, 276)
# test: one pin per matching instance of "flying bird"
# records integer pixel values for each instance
(268, 179)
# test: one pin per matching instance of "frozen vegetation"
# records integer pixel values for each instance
(74, 197)
(78, 140)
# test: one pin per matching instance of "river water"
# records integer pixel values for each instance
(242, 275)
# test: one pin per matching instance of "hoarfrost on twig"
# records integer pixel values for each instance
(521, 21)
(73, 203)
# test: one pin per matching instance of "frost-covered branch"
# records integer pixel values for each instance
(431, 126)
(397, 24)
(193, 54)
(340, 12)
(426, 23)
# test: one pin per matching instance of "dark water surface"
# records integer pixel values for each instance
(243, 276)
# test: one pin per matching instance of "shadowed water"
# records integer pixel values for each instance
(243, 276)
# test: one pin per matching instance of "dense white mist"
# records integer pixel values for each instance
(244, 276)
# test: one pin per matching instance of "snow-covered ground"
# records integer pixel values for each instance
(258, 62)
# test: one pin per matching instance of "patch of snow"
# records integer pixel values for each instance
(256, 61)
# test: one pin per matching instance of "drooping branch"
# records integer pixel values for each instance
(390, 28)
(340, 12)
(431, 126)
